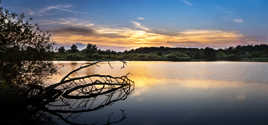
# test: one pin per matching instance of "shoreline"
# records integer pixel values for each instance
(162, 60)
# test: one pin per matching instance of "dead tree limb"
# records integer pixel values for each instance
(81, 94)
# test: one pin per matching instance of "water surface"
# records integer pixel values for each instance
(187, 93)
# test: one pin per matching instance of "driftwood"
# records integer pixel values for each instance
(80, 94)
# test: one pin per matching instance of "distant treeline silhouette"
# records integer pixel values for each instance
(238, 53)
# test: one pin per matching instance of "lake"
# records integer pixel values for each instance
(186, 93)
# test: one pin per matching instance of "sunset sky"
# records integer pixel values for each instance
(126, 24)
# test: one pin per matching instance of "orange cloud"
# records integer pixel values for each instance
(140, 36)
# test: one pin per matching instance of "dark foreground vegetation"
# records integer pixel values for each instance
(24, 97)
(239, 53)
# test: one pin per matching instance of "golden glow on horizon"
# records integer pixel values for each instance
(132, 38)
(147, 76)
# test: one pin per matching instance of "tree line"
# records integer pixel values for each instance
(238, 53)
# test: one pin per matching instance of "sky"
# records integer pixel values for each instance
(127, 24)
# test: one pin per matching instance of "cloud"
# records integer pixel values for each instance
(73, 30)
(140, 26)
(60, 7)
(74, 22)
(70, 32)
(187, 2)
(238, 20)
(65, 8)
(140, 18)
(207, 36)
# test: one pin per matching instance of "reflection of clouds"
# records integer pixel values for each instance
(208, 84)
(80, 90)
(202, 75)
(143, 84)
(145, 78)
(241, 97)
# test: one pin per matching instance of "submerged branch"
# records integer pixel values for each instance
(81, 94)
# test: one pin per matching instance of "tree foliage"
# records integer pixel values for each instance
(74, 49)
(61, 49)
(239, 53)
(23, 47)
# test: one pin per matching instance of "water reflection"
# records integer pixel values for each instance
(76, 94)
(191, 93)
(189, 75)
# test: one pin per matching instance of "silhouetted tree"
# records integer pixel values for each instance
(210, 53)
(22, 41)
(74, 49)
(23, 49)
(250, 52)
(61, 49)
(90, 48)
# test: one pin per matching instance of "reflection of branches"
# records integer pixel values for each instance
(81, 94)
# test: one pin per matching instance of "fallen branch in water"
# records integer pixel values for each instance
(81, 94)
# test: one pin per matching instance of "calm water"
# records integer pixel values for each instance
(187, 93)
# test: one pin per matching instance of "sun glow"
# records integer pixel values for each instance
(141, 36)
